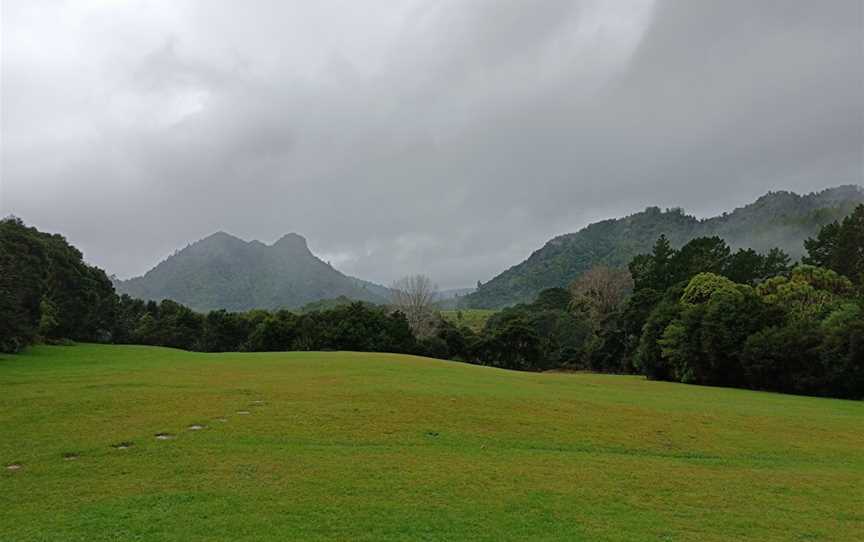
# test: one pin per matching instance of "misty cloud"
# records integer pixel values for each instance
(451, 137)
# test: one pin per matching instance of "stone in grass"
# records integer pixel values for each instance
(222, 420)
(122, 445)
(257, 402)
(196, 427)
(70, 456)
(164, 436)
(14, 466)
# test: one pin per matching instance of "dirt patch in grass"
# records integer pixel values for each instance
(243, 412)
(70, 456)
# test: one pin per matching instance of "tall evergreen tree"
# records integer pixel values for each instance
(840, 246)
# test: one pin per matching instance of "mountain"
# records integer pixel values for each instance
(224, 272)
(777, 219)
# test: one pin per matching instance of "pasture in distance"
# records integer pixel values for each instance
(352, 446)
(473, 319)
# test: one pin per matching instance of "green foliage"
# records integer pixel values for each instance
(785, 358)
(704, 286)
(328, 304)
(536, 336)
(653, 270)
(512, 344)
(808, 294)
(796, 334)
(49, 320)
(840, 246)
(46, 289)
(748, 266)
(701, 255)
(357, 326)
(744, 319)
(667, 282)
(702, 345)
(649, 357)
(842, 351)
(556, 299)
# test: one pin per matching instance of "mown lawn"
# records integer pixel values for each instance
(350, 446)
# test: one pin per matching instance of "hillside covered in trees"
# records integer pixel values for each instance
(777, 220)
(224, 272)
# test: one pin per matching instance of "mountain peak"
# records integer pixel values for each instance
(220, 237)
(222, 271)
(291, 242)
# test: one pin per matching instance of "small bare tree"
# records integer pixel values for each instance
(415, 297)
(600, 291)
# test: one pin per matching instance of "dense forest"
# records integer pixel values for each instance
(703, 314)
(776, 220)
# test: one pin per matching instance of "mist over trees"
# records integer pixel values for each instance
(778, 220)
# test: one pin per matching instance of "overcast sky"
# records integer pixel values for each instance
(449, 137)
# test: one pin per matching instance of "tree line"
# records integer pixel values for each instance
(700, 314)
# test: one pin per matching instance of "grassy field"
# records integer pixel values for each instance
(349, 446)
(474, 319)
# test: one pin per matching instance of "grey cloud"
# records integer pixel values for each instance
(451, 138)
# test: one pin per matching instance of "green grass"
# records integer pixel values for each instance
(353, 446)
(474, 319)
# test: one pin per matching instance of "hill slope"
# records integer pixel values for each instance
(224, 272)
(778, 219)
(352, 446)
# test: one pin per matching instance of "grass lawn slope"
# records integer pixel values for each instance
(350, 446)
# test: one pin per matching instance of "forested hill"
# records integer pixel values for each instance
(224, 272)
(777, 219)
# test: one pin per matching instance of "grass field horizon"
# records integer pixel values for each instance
(359, 446)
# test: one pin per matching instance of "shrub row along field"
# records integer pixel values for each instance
(351, 446)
